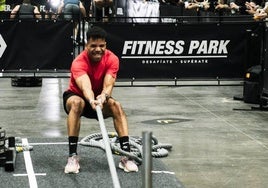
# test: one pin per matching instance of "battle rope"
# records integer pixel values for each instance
(158, 149)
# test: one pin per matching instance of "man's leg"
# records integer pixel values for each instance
(121, 127)
(75, 106)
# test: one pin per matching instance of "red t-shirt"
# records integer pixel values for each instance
(81, 65)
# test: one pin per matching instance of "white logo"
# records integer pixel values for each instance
(3, 45)
(176, 49)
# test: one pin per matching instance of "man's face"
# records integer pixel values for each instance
(95, 49)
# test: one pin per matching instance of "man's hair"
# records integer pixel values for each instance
(96, 32)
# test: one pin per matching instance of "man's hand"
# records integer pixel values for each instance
(93, 103)
(205, 4)
(260, 15)
(102, 98)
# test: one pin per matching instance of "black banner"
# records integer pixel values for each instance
(174, 50)
(146, 51)
(265, 67)
(32, 45)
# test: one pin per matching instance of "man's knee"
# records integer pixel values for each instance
(117, 108)
(76, 105)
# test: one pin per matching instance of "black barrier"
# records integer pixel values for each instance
(264, 81)
(146, 51)
(204, 50)
(35, 45)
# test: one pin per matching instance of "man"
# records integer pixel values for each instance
(93, 75)
(73, 9)
(87, 5)
(103, 5)
(51, 9)
(261, 12)
(25, 11)
(238, 7)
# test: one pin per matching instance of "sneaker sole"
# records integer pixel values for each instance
(125, 169)
(72, 172)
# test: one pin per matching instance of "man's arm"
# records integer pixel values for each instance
(261, 13)
(60, 8)
(84, 83)
(37, 14)
(108, 84)
(82, 9)
(14, 11)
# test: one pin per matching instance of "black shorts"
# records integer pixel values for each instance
(71, 11)
(88, 111)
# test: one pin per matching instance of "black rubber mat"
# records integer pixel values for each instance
(49, 156)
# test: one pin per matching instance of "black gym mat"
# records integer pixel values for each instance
(49, 160)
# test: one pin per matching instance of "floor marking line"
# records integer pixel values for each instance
(48, 143)
(29, 165)
(162, 172)
(36, 174)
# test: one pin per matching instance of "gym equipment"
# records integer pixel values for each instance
(2, 146)
(158, 149)
(107, 148)
(7, 151)
(10, 155)
(26, 81)
(251, 90)
(147, 156)
(22, 147)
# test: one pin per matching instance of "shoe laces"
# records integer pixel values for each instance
(73, 160)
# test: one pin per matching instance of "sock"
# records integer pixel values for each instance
(73, 145)
(124, 143)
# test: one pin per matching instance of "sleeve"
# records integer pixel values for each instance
(113, 67)
(78, 68)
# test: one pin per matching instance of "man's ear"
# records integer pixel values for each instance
(86, 46)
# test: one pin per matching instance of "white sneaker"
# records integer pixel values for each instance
(128, 165)
(72, 165)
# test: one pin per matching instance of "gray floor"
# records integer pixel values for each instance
(213, 144)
